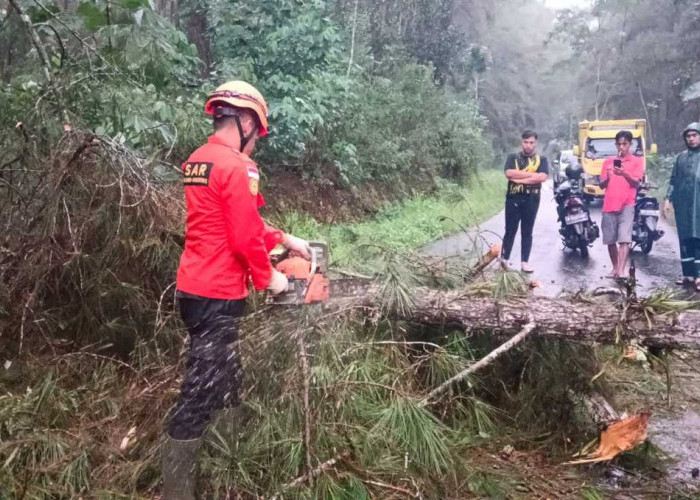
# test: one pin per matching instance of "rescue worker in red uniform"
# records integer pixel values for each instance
(227, 245)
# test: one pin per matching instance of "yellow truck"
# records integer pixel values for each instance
(596, 142)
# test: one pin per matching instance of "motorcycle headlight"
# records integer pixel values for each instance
(593, 180)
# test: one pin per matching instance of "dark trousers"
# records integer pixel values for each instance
(690, 256)
(213, 369)
(520, 211)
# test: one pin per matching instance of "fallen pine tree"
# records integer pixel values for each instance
(653, 321)
(659, 320)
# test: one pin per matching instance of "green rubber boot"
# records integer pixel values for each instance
(179, 463)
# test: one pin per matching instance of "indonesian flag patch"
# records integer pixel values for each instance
(253, 180)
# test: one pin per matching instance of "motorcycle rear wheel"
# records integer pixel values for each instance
(583, 248)
(646, 247)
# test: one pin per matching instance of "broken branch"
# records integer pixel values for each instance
(505, 347)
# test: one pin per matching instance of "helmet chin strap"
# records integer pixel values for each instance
(244, 140)
(226, 111)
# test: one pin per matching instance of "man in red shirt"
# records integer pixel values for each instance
(620, 178)
(227, 245)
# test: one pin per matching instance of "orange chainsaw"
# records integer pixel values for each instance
(308, 281)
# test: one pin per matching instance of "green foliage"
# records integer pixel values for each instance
(539, 386)
(128, 83)
(659, 169)
(390, 123)
(509, 284)
(59, 424)
(489, 485)
(591, 494)
(428, 30)
(150, 110)
(145, 118)
(33, 441)
(402, 127)
(139, 42)
(416, 430)
(397, 285)
(291, 51)
(140, 82)
(408, 224)
(364, 398)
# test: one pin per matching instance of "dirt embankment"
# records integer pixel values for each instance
(326, 201)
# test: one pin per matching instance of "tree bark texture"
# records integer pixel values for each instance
(559, 318)
(567, 319)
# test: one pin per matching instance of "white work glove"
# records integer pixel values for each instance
(297, 245)
(278, 283)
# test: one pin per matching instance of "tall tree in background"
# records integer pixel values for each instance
(424, 29)
(635, 59)
(519, 75)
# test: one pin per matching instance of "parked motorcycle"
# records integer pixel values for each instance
(646, 219)
(578, 231)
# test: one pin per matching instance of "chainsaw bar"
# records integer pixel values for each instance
(348, 287)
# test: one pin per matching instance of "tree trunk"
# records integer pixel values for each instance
(586, 321)
(557, 318)
(352, 40)
(196, 29)
(597, 90)
(650, 135)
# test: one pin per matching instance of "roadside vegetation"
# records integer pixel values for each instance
(407, 224)
(659, 169)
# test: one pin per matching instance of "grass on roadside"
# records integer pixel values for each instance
(406, 225)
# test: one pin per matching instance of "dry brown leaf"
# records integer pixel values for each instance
(621, 435)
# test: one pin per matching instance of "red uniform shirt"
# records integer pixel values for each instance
(226, 240)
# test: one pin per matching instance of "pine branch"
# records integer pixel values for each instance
(314, 473)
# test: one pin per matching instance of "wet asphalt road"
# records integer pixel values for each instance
(674, 427)
(562, 270)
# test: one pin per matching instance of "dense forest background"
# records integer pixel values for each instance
(359, 89)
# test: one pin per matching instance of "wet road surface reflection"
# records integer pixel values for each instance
(562, 270)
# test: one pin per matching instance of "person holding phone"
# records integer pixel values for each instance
(620, 178)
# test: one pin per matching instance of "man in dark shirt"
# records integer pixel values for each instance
(526, 171)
